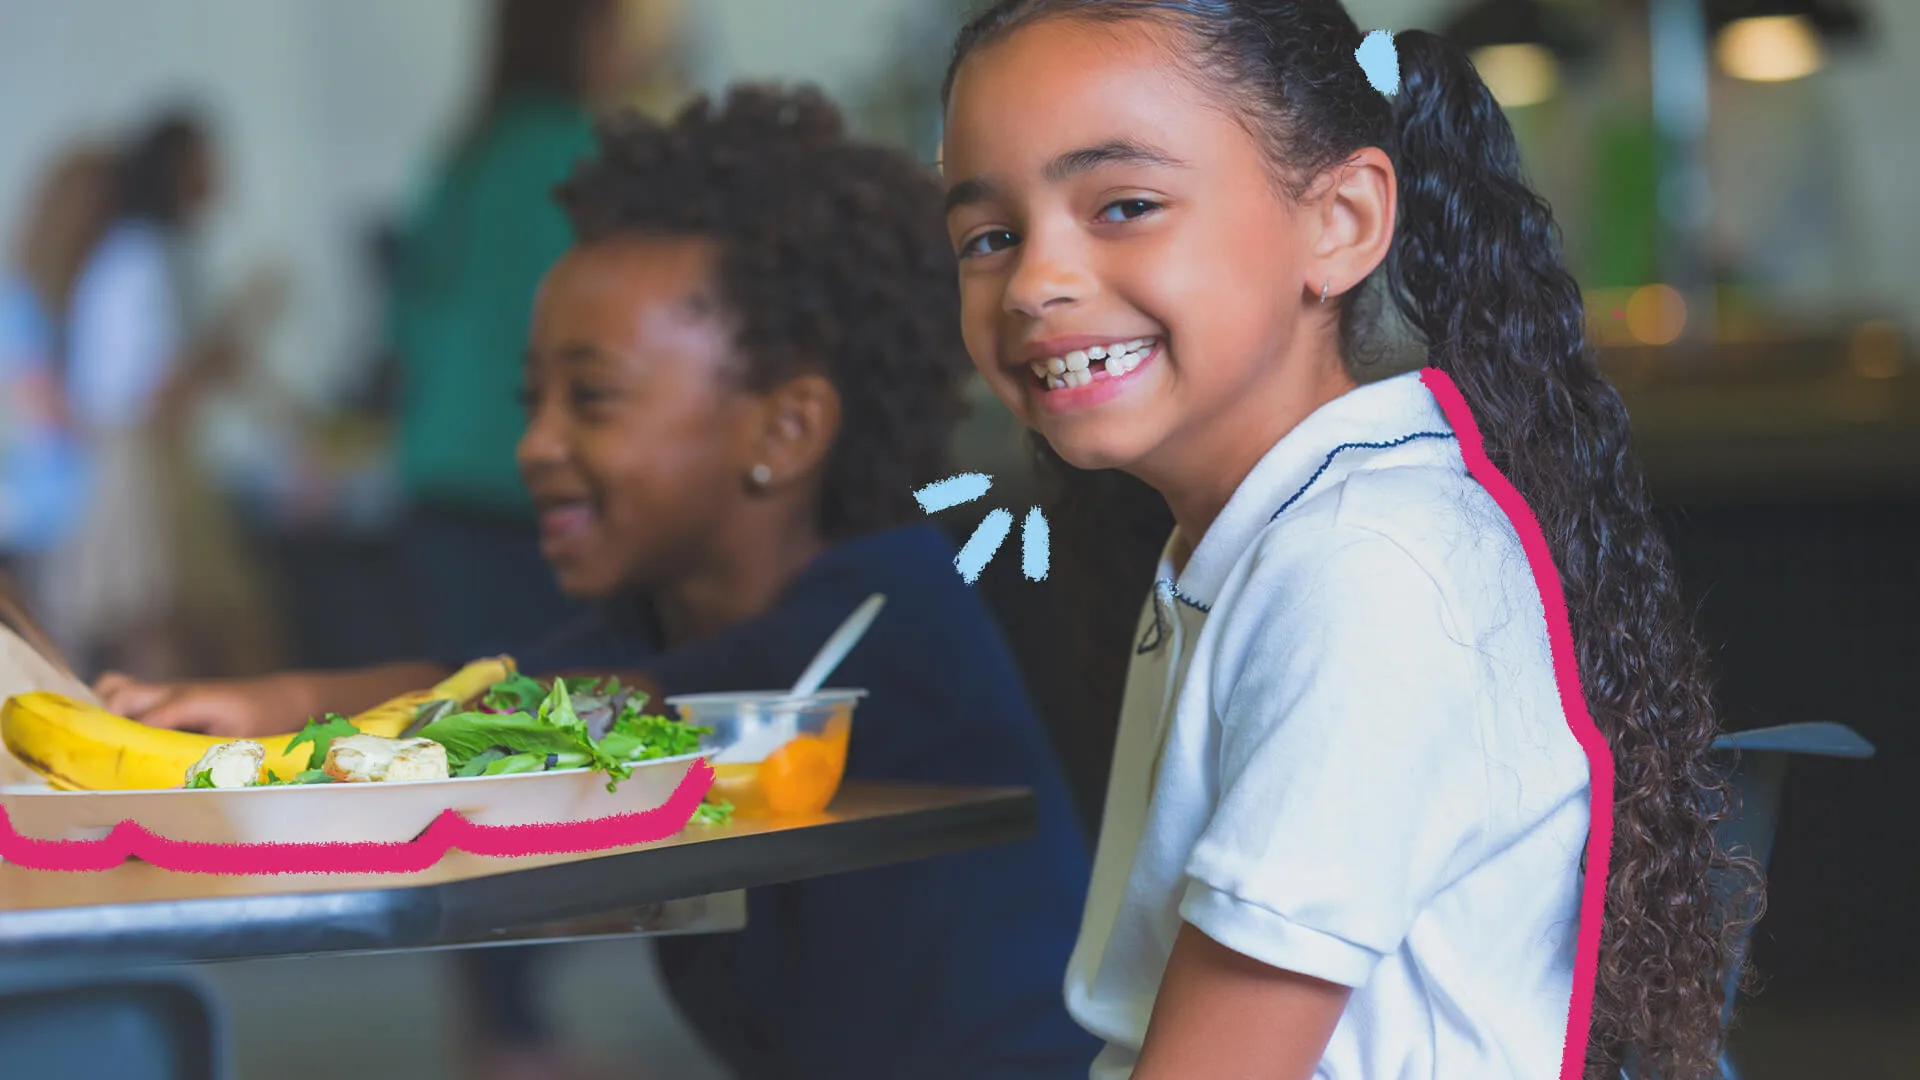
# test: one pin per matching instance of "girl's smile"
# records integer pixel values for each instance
(1131, 216)
(564, 524)
(1081, 373)
(634, 435)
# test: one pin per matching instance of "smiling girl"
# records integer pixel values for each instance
(1345, 828)
(735, 381)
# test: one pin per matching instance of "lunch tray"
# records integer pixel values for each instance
(119, 1026)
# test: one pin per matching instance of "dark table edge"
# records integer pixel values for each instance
(303, 924)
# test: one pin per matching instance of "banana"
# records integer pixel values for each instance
(79, 747)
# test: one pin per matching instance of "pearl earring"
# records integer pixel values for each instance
(761, 475)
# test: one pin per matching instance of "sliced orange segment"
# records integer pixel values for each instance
(801, 777)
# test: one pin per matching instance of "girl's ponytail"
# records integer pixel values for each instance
(1475, 268)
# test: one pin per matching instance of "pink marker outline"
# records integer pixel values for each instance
(1573, 699)
(450, 830)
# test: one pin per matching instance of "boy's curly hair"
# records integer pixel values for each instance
(833, 259)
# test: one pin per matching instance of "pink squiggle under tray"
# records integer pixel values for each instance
(451, 829)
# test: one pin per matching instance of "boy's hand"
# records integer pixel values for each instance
(237, 709)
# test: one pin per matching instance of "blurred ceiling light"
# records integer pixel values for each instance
(1875, 351)
(1780, 40)
(1656, 314)
(1518, 46)
(1770, 48)
(1518, 75)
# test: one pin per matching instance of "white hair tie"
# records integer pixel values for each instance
(1381, 61)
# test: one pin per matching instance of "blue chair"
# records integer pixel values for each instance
(111, 1026)
(1760, 778)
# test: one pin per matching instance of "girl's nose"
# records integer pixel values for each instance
(540, 443)
(1048, 275)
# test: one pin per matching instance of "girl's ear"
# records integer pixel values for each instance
(797, 425)
(1353, 215)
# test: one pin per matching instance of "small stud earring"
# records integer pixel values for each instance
(761, 475)
(1324, 289)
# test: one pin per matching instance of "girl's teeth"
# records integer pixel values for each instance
(1075, 369)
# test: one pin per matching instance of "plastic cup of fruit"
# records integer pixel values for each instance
(774, 754)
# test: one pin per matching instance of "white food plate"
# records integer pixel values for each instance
(383, 812)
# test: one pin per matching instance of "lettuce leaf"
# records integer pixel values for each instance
(557, 711)
(321, 734)
(305, 776)
(468, 735)
(515, 693)
(574, 723)
(714, 811)
(645, 738)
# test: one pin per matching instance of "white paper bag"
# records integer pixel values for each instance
(25, 669)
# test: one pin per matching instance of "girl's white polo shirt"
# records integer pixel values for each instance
(1343, 753)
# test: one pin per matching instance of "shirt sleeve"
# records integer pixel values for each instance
(1351, 778)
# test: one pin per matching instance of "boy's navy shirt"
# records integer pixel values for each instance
(944, 967)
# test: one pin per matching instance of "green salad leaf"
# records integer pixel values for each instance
(201, 779)
(477, 764)
(645, 738)
(515, 693)
(321, 734)
(523, 726)
(468, 735)
(714, 811)
(305, 776)
(429, 711)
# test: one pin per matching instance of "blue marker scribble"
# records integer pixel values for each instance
(1033, 546)
(1381, 61)
(982, 545)
(951, 492)
(985, 542)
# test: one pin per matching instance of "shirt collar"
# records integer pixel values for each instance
(1378, 415)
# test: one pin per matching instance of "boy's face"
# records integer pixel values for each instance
(636, 442)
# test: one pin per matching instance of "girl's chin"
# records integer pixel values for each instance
(1087, 450)
(581, 582)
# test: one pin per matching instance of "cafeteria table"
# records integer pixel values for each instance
(137, 914)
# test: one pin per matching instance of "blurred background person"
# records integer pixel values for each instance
(42, 470)
(153, 580)
(469, 262)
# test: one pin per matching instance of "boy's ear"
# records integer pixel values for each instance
(798, 425)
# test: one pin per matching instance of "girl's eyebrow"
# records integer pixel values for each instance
(578, 352)
(1112, 152)
(1068, 165)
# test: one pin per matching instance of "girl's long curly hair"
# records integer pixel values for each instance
(1475, 269)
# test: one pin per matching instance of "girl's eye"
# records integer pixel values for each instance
(586, 397)
(1127, 209)
(987, 243)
